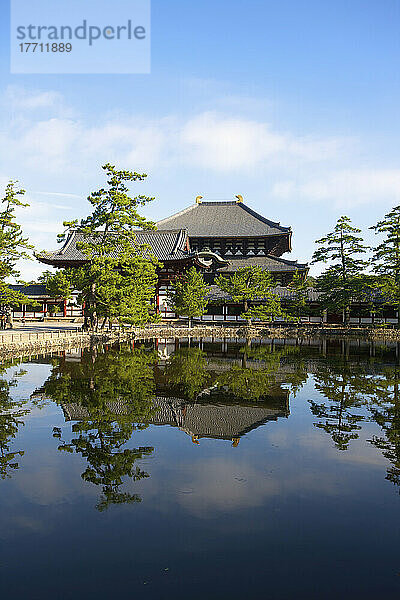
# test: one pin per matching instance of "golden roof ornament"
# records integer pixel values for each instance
(239, 198)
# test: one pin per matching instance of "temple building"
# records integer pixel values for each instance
(239, 235)
(216, 237)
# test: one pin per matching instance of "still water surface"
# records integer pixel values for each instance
(209, 470)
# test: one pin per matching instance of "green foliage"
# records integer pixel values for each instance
(13, 244)
(299, 287)
(118, 289)
(260, 379)
(343, 385)
(251, 284)
(10, 297)
(11, 413)
(342, 282)
(114, 210)
(384, 403)
(187, 370)
(118, 281)
(113, 391)
(58, 284)
(386, 258)
(188, 295)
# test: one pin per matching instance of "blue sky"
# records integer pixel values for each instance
(293, 104)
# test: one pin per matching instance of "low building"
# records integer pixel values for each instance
(215, 237)
(44, 305)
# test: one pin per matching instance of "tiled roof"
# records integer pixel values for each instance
(31, 290)
(222, 219)
(165, 245)
(216, 294)
(270, 263)
(216, 421)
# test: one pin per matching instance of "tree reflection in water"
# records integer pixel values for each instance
(342, 383)
(110, 395)
(259, 373)
(385, 409)
(187, 371)
(349, 385)
(11, 413)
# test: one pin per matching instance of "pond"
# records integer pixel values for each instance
(202, 469)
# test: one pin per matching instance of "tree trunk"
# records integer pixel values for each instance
(189, 322)
(246, 308)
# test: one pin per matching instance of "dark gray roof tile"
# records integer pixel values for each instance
(269, 263)
(222, 219)
(31, 290)
(216, 294)
(169, 245)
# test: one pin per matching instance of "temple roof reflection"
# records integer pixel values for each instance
(199, 420)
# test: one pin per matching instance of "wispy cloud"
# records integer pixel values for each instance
(345, 188)
(48, 145)
(224, 143)
(21, 99)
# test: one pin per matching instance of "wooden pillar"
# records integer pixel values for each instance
(157, 300)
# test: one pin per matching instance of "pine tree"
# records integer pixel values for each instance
(58, 284)
(341, 282)
(188, 295)
(119, 279)
(299, 287)
(249, 285)
(386, 258)
(13, 245)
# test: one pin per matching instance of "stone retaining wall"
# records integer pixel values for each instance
(16, 343)
(254, 332)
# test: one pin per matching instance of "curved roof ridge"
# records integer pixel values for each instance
(286, 261)
(180, 240)
(257, 215)
(166, 245)
(223, 219)
(219, 202)
(178, 214)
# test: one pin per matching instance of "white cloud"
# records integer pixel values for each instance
(21, 99)
(223, 143)
(345, 188)
(67, 144)
(49, 146)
